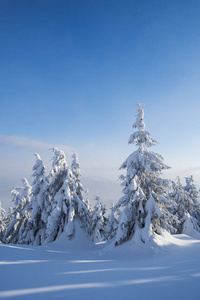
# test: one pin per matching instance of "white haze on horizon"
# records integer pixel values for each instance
(100, 172)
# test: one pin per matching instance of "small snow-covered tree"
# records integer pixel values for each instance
(11, 234)
(3, 217)
(97, 222)
(9, 218)
(26, 211)
(192, 190)
(87, 201)
(194, 210)
(181, 197)
(145, 200)
(112, 225)
(187, 207)
(21, 214)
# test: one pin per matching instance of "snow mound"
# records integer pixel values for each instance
(188, 229)
(157, 245)
(80, 240)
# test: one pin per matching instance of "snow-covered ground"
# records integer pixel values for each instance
(168, 269)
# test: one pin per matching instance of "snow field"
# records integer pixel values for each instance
(166, 268)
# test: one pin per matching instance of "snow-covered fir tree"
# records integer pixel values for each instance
(82, 204)
(15, 232)
(9, 217)
(53, 205)
(11, 233)
(97, 222)
(192, 190)
(145, 200)
(187, 207)
(194, 210)
(75, 168)
(3, 217)
(35, 229)
(67, 203)
(61, 217)
(87, 201)
(78, 212)
(26, 210)
(80, 207)
(58, 173)
(112, 225)
(56, 194)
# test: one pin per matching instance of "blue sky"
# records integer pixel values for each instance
(72, 73)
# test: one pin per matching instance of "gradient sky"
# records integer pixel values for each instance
(72, 73)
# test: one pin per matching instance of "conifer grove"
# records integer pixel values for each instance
(57, 204)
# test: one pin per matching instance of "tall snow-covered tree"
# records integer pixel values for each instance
(62, 215)
(35, 229)
(78, 211)
(75, 168)
(78, 192)
(55, 192)
(97, 222)
(67, 203)
(57, 175)
(145, 200)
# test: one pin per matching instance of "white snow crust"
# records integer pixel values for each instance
(167, 267)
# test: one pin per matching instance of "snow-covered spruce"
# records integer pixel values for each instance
(112, 225)
(83, 204)
(15, 232)
(3, 217)
(194, 209)
(87, 201)
(56, 179)
(8, 219)
(58, 173)
(192, 190)
(187, 207)
(75, 168)
(145, 200)
(35, 229)
(98, 222)
(66, 198)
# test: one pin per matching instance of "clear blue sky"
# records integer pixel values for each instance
(72, 73)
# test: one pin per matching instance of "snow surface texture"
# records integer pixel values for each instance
(168, 267)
